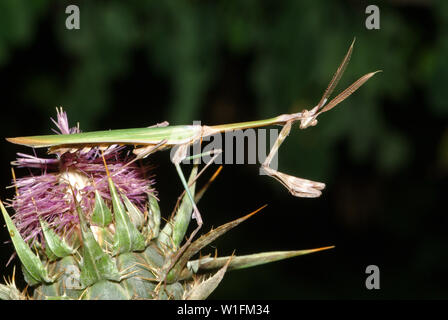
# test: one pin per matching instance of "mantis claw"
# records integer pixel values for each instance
(298, 187)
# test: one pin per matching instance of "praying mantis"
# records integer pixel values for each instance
(162, 136)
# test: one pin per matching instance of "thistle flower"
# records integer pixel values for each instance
(47, 195)
(87, 226)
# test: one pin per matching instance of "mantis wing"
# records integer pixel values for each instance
(140, 136)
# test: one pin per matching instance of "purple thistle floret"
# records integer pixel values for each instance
(48, 194)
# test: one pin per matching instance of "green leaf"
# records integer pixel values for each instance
(174, 231)
(96, 265)
(68, 284)
(70, 277)
(137, 277)
(247, 261)
(9, 292)
(137, 218)
(5, 292)
(55, 245)
(153, 217)
(127, 237)
(106, 290)
(29, 278)
(183, 215)
(101, 215)
(32, 265)
(201, 242)
(204, 289)
(50, 255)
(104, 236)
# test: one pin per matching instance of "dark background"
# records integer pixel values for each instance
(383, 153)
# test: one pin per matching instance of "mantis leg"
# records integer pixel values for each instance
(216, 152)
(196, 213)
(297, 186)
(179, 156)
(145, 151)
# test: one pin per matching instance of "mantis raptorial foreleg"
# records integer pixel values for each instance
(297, 186)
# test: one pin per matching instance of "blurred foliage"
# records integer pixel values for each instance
(226, 61)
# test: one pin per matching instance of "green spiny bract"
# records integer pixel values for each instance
(121, 253)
